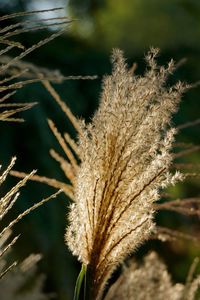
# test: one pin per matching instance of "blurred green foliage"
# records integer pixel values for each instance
(134, 26)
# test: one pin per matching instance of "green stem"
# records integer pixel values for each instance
(79, 281)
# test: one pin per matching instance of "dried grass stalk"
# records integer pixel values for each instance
(9, 64)
(125, 161)
(152, 281)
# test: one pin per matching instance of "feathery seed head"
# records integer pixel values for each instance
(150, 281)
(125, 154)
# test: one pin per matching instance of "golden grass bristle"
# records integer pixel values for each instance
(72, 144)
(67, 189)
(62, 143)
(13, 265)
(9, 246)
(26, 212)
(63, 106)
(65, 166)
(28, 13)
(31, 49)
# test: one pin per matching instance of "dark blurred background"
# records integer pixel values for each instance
(99, 26)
